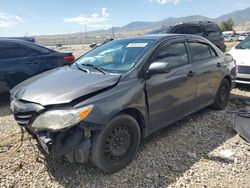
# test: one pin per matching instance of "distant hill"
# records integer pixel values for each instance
(166, 22)
(239, 17)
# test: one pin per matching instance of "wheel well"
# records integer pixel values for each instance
(138, 117)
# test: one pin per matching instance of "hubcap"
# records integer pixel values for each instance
(117, 143)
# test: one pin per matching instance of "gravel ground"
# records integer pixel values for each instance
(200, 151)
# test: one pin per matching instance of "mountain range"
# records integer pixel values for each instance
(239, 17)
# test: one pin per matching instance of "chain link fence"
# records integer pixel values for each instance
(70, 40)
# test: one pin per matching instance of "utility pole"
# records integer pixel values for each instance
(113, 33)
(86, 32)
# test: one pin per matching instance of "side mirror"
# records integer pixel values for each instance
(228, 58)
(159, 68)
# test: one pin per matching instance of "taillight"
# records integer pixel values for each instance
(69, 58)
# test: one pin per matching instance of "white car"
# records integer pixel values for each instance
(230, 38)
(242, 37)
(241, 54)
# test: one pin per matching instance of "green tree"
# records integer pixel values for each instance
(227, 25)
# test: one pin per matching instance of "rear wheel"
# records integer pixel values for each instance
(116, 145)
(222, 96)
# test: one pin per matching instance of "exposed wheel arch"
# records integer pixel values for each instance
(137, 115)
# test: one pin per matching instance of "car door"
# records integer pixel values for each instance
(207, 65)
(170, 95)
(3, 66)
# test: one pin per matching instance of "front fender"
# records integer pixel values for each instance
(126, 95)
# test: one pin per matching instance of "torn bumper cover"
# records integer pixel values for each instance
(73, 143)
(242, 124)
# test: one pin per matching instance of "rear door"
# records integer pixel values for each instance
(171, 95)
(207, 65)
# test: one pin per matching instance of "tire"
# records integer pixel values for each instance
(116, 145)
(222, 95)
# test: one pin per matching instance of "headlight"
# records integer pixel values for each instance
(55, 120)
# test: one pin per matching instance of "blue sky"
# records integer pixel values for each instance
(39, 17)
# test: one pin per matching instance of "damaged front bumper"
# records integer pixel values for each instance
(74, 143)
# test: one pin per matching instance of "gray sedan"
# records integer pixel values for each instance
(100, 107)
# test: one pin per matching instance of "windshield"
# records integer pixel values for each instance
(117, 56)
(245, 44)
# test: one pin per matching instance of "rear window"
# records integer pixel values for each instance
(195, 30)
(212, 30)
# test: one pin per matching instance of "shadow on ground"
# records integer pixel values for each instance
(163, 156)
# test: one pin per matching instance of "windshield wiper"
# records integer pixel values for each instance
(82, 69)
(95, 67)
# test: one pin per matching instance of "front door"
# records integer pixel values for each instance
(170, 95)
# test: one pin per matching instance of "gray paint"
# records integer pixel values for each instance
(62, 85)
(160, 99)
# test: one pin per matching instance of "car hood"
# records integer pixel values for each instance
(241, 56)
(62, 85)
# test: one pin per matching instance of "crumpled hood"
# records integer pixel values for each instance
(241, 56)
(61, 85)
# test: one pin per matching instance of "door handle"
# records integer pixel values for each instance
(191, 74)
(218, 64)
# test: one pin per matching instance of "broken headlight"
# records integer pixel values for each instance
(55, 120)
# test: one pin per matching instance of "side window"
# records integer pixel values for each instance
(199, 51)
(15, 50)
(175, 55)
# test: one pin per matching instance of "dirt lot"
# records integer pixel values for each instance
(202, 150)
(190, 153)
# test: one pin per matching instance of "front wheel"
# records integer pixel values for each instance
(222, 96)
(116, 145)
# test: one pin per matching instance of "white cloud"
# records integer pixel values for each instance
(162, 2)
(9, 20)
(95, 20)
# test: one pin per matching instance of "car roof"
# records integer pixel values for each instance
(160, 37)
(2, 39)
(26, 43)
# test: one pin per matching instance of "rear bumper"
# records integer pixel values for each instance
(243, 78)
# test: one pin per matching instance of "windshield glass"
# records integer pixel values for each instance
(117, 56)
(245, 44)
